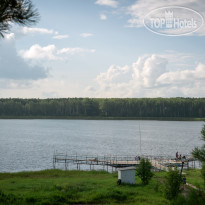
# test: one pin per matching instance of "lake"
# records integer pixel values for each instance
(30, 144)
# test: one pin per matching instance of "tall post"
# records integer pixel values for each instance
(140, 140)
(182, 168)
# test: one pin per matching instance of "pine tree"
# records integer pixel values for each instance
(199, 153)
(20, 12)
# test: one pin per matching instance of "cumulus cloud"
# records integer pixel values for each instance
(149, 76)
(110, 3)
(147, 70)
(38, 52)
(115, 74)
(103, 17)
(183, 76)
(73, 51)
(27, 30)
(59, 37)
(12, 66)
(51, 52)
(23, 31)
(140, 8)
(86, 35)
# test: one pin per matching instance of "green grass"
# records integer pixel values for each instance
(55, 187)
(194, 177)
(76, 187)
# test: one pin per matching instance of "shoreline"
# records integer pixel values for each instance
(100, 118)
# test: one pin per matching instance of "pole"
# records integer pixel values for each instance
(140, 140)
(182, 168)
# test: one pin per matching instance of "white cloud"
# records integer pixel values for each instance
(150, 77)
(147, 70)
(51, 52)
(86, 35)
(111, 3)
(27, 30)
(59, 37)
(12, 66)
(72, 51)
(140, 8)
(114, 74)
(103, 17)
(183, 76)
(21, 31)
(38, 52)
(9, 36)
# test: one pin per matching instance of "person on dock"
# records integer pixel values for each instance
(177, 155)
(137, 158)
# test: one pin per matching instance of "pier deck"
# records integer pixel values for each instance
(158, 163)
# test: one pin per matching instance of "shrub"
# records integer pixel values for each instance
(194, 197)
(203, 173)
(144, 171)
(172, 184)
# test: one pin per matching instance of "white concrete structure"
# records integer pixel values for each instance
(127, 175)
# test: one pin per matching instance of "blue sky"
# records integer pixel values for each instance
(100, 48)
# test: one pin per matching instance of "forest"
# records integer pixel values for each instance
(104, 107)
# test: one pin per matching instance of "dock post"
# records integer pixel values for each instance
(54, 161)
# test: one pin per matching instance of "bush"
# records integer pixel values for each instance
(144, 171)
(194, 197)
(7, 198)
(203, 173)
(172, 184)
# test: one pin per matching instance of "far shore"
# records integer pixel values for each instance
(103, 118)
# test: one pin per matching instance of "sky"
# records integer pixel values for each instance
(101, 48)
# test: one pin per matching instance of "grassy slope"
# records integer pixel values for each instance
(64, 187)
(194, 177)
(82, 187)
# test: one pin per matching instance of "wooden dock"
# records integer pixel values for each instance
(159, 163)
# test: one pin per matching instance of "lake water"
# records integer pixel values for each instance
(30, 144)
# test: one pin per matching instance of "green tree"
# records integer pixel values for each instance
(199, 153)
(144, 171)
(20, 12)
(173, 183)
(203, 173)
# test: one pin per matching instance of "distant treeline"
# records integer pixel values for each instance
(103, 107)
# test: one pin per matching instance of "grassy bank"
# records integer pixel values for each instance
(75, 187)
(103, 118)
(80, 187)
(194, 177)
